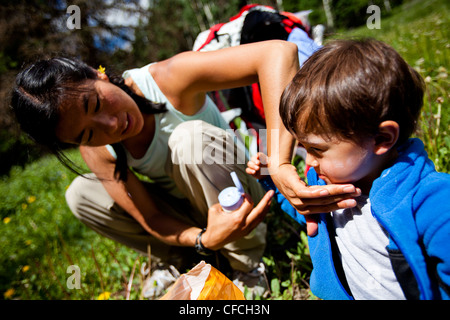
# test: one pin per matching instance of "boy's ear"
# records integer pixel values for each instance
(387, 136)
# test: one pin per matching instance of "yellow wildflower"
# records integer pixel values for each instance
(24, 206)
(25, 268)
(101, 69)
(104, 295)
(31, 199)
(28, 242)
(6, 220)
(9, 293)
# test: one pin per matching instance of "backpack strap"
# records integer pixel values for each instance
(212, 34)
(292, 21)
(214, 29)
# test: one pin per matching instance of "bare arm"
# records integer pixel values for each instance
(186, 77)
(133, 197)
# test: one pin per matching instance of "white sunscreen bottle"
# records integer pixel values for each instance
(231, 198)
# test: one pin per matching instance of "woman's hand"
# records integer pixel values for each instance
(308, 200)
(224, 227)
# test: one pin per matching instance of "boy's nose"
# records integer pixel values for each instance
(311, 161)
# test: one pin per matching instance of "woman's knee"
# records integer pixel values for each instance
(86, 193)
(197, 142)
(74, 195)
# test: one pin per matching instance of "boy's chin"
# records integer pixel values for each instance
(330, 181)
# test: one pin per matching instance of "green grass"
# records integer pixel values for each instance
(40, 238)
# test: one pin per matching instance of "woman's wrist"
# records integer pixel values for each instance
(275, 171)
(209, 242)
(200, 247)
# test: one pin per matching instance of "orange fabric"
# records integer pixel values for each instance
(219, 287)
(203, 282)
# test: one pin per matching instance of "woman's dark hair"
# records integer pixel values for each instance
(39, 91)
(348, 87)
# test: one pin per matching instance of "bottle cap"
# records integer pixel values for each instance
(237, 182)
(231, 198)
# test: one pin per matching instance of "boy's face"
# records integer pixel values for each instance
(341, 161)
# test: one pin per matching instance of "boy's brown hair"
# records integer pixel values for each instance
(348, 87)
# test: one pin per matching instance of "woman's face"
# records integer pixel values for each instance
(103, 114)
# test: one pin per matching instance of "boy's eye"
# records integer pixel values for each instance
(315, 151)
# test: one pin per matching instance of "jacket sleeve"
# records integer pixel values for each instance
(285, 205)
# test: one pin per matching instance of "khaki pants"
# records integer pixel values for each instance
(200, 182)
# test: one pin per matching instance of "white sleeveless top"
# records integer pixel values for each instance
(153, 162)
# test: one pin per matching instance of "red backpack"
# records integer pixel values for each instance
(253, 23)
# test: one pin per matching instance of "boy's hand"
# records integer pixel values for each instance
(255, 164)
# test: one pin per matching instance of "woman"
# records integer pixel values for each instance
(62, 102)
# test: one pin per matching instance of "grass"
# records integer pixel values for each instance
(40, 239)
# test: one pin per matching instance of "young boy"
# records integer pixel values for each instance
(353, 106)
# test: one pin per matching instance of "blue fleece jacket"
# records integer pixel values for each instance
(411, 200)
